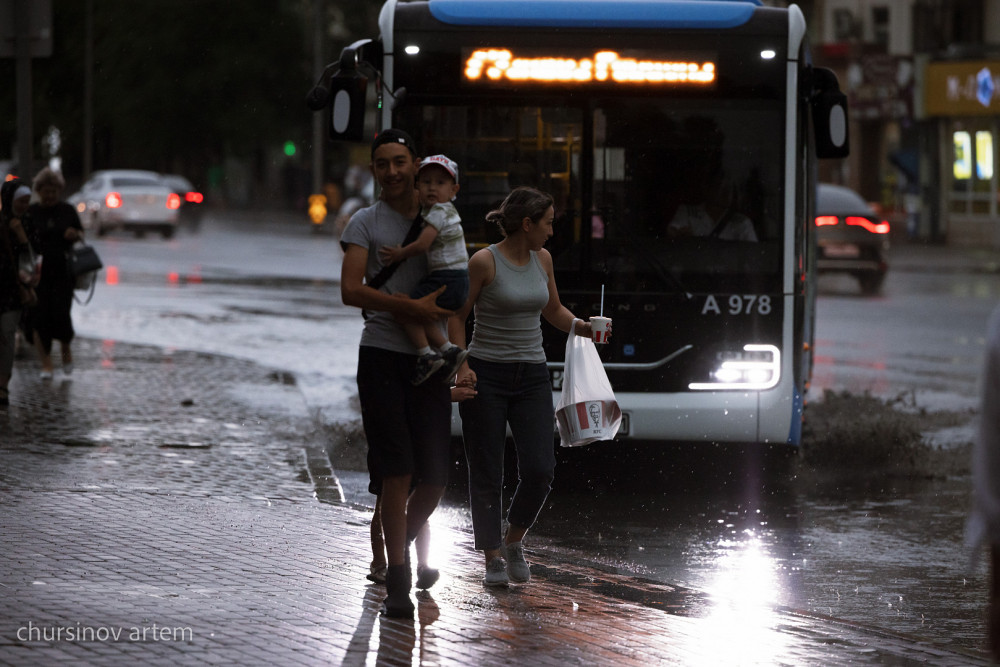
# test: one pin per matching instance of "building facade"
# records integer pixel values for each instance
(923, 81)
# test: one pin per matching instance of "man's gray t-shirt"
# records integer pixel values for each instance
(372, 228)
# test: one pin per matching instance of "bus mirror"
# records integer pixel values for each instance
(347, 106)
(829, 111)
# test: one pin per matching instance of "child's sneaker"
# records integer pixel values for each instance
(453, 358)
(427, 365)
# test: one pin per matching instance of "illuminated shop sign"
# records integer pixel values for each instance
(969, 88)
(605, 66)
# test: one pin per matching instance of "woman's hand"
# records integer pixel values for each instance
(464, 389)
(72, 234)
(466, 377)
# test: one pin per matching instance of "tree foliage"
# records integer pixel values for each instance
(178, 85)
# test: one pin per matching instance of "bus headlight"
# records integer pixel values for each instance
(757, 367)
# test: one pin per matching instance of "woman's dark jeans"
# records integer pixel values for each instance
(518, 394)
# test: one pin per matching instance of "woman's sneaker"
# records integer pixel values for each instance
(427, 365)
(517, 567)
(496, 573)
(453, 358)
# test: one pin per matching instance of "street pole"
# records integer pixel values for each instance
(317, 124)
(88, 90)
(22, 54)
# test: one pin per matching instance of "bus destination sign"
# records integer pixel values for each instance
(605, 67)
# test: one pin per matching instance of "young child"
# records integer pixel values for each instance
(448, 260)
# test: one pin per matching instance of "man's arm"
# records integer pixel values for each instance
(354, 292)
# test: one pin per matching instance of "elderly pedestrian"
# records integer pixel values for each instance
(56, 228)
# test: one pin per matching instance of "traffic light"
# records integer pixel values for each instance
(317, 209)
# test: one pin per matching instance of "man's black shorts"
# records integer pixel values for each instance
(408, 427)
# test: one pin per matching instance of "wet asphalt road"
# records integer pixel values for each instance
(887, 554)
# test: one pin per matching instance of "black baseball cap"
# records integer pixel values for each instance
(392, 135)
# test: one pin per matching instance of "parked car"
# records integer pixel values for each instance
(129, 199)
(851, 237)
(191, 199)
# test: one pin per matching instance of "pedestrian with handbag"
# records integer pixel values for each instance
(16, 274)
(408, 427)
(57, 228)
(511, 286)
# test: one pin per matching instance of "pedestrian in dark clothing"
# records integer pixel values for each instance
(57, 227)
(16, 274)
(408, 427)
(983, 525)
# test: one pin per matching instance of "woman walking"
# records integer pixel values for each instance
(512, 285)
(57, 228)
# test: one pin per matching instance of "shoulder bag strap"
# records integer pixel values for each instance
(382, 276)
(411, 235)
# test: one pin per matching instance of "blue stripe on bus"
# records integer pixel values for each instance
(595, 13)
(795, 430)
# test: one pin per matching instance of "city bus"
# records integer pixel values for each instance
(679, 141)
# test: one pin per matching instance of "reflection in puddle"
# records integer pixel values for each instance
(744, 593)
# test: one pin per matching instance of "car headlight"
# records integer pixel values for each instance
(756, 367)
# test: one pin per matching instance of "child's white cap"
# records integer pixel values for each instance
(442, 161)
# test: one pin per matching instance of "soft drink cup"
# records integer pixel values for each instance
(600, 327)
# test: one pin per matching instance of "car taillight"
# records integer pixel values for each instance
(873, 227)
(823, 220)
(173, 201)
(194, 197)
(113, 200)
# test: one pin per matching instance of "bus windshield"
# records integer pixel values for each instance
(652, 195)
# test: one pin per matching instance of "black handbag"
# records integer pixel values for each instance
(83, 264)
(83, 259)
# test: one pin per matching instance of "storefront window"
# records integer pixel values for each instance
(963, 159)
(973, 170)
(984, 155)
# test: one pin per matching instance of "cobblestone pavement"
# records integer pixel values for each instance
(168, 507)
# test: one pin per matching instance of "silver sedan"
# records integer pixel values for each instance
(129, 199)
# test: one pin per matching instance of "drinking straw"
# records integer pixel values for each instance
(602, 299)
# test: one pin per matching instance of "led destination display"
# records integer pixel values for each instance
(605, 66)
